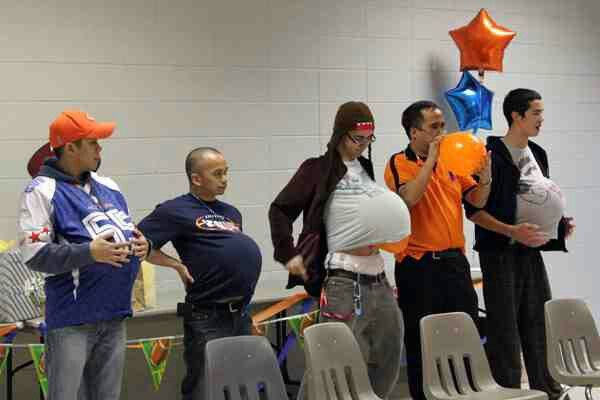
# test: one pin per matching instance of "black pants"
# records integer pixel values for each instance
(515, 288)
(198, 328)
(428, 286)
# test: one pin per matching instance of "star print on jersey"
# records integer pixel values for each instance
(39, 236)
(211, 222)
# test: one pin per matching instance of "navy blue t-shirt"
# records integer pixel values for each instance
(208, 237)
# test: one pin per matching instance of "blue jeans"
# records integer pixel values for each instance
(379, 330)
(86, 362)
(199, 327)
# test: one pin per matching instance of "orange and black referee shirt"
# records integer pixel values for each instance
(437, 219)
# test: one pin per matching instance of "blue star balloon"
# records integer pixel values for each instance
(471, 103)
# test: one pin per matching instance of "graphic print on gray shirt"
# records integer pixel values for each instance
(539, 200)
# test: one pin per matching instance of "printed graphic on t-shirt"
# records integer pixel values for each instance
(533, 186)
(213, 222)
(539, 200)
(357, 181)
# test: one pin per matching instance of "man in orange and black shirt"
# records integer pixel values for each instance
(432, 274)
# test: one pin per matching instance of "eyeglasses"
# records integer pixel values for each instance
(358, 139)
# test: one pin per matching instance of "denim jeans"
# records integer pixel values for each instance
(198, 328)
(85, 362)
(378, 329)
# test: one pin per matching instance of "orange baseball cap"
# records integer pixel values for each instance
(72, 125)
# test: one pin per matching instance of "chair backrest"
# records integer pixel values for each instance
(336, 366)
(572, 338)
(243, 368)
(454, 361)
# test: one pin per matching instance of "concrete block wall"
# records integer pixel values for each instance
(262, 79)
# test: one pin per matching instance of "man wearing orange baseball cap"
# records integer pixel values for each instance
(74, 225)
(74, 125)
(70, 126)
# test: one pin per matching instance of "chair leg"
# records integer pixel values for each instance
(302, 390)
(565, 392)
(588, 393)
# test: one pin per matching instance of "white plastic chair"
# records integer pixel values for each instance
(455, 365)
(572, 344)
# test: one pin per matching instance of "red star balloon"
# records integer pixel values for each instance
(482, 43)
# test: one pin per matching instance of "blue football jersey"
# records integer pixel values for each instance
(57, 221)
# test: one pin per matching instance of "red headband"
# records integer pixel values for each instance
(364, 126)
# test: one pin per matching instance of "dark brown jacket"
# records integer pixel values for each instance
(307, 192)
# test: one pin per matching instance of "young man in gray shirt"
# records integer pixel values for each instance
(523, 216)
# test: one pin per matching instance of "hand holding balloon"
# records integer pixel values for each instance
(433, 153)
(528, 234)
(569, 227)
(485, 171)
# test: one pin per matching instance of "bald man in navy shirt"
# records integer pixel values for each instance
(219, 265)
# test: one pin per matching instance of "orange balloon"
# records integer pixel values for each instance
(482, 43)
(462, 153)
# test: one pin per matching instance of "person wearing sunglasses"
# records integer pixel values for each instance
(346, 215)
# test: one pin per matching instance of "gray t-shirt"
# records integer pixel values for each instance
(361, 213)
(539, 199)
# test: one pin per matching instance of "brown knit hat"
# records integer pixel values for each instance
(346, 119)
(350, 116)
(351, 113)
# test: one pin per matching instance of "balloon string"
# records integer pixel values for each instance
(480, 116)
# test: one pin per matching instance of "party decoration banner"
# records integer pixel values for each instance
(9, 333)
(300, 323)
(4, 351)
(39, 362)
(258, 319)
(7, 329)
(157, 353)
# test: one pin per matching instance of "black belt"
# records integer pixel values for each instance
(445, 254)
(362, 278)
(232, 307)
